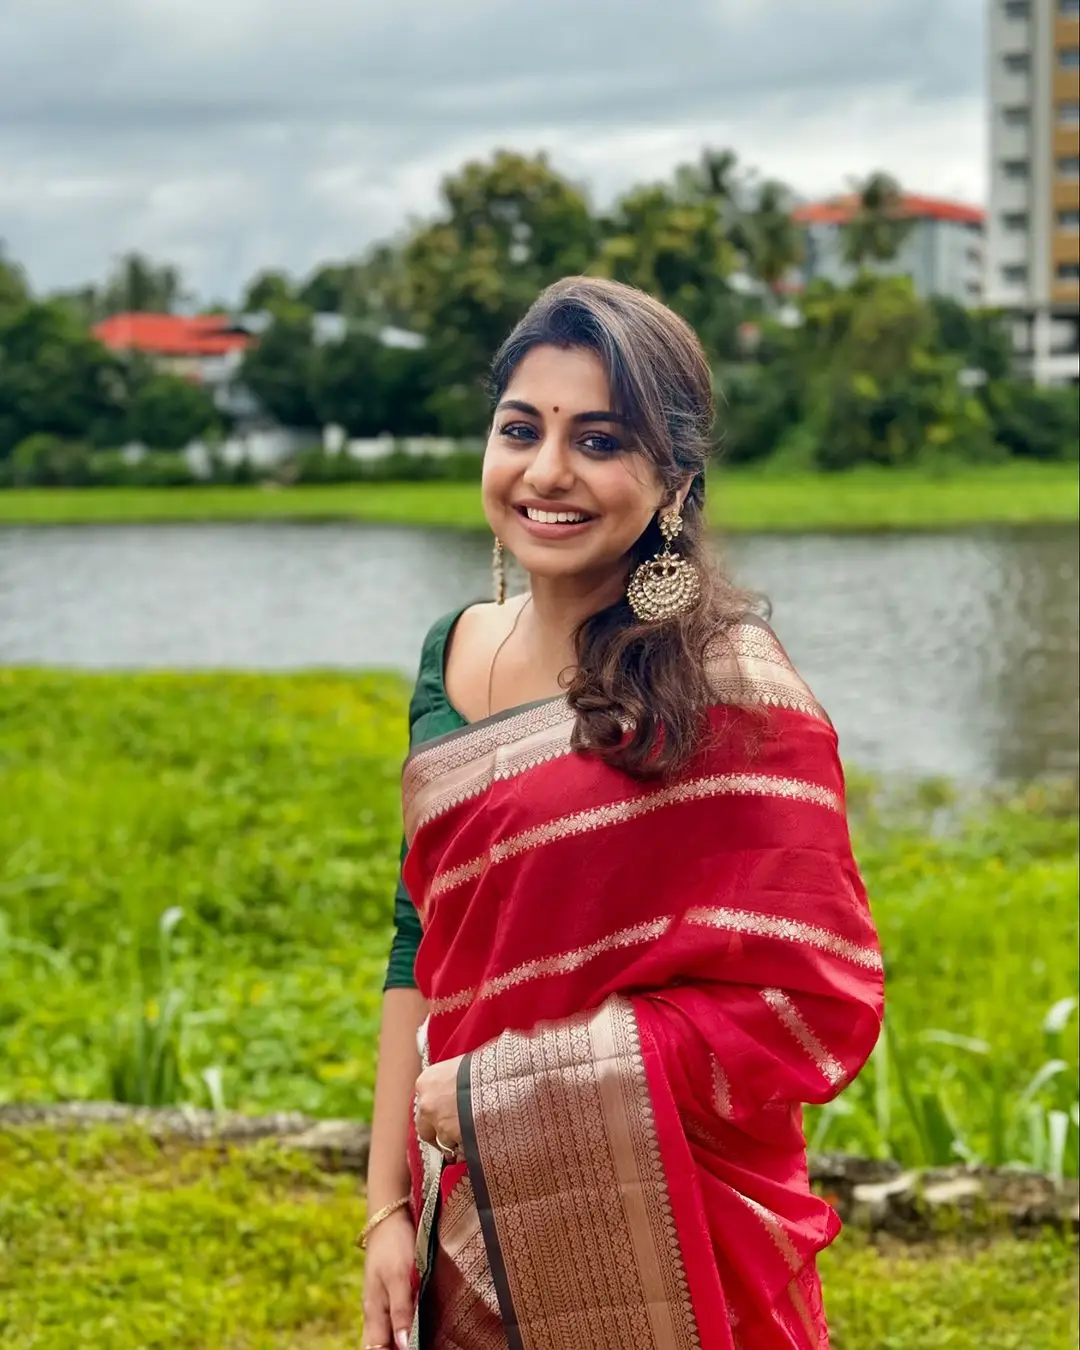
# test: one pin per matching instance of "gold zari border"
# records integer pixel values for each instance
(566, 1143)
(747, 668)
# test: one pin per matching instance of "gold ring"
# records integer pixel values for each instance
(449, 1152)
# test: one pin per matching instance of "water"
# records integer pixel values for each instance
(950, 654)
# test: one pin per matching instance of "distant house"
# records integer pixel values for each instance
(205, 349)
(942, 253)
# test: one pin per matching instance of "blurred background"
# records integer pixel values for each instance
(253, 264)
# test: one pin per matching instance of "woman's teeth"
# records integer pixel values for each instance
(555, 517)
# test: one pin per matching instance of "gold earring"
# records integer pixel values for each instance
(498, 572)
(666, 585)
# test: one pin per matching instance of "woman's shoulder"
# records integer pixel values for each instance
(473, 627)
(748, 665)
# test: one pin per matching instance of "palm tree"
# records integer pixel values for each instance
(771, 240)
(879, 226)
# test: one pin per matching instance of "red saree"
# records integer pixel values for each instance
(646, 980)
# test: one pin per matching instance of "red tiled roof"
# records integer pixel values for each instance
(840, 210)
(171, 334)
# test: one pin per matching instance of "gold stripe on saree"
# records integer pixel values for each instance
(563, 1150)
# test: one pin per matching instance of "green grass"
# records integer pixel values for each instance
(132, 1246)
(261, 814)
(740, 501)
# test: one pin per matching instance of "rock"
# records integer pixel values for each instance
(878, 1204)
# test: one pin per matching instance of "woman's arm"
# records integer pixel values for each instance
(395, 1082)
(388, 1275)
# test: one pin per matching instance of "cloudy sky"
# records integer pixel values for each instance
(228, 135)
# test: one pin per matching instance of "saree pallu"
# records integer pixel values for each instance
(646, 981)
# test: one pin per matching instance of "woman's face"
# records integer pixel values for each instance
(562, 487)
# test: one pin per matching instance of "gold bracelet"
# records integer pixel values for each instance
(378, 1217)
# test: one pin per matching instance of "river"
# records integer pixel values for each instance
(950, 653)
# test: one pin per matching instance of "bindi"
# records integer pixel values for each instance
(555, 409)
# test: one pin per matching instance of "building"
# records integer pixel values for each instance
(205, 349)
(942, 252)
(1033, 235)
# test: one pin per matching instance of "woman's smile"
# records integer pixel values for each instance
(553, 520)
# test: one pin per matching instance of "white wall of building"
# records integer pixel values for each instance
(942, 257)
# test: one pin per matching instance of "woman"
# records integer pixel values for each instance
(642, 938)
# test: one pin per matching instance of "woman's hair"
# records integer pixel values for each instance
(650, 677)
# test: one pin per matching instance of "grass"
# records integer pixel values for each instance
(740, 501)
(195, 891)
(142, 1247)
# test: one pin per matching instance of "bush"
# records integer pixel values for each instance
(110, 468)
(316, 466)
(1033, 422)
(45, 460)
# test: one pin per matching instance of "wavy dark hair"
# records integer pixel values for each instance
(649, 677)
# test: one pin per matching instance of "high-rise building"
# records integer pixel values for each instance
(1033, 226)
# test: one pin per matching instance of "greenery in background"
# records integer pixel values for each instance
(148, 1248)
(260, 815)
(853, 375)
(743, 500)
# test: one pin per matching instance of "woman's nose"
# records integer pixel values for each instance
(551, 467)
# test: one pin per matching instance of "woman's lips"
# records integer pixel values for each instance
(552, 529)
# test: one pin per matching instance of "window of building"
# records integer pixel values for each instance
(1015, 274)
(1018, 9)
(1068, 271)
(1015, 168)
(1068, 166)
(1068, 220)
(1068, 114)
(1016, 117)
(1017, 63)
(1069, 58)
(1014, 222)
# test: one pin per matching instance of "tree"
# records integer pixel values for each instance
(506, 229)
(137, 285)
(14, 287)
(55, 378)
(166, 412)
(772, 241)
(268, 290)
(879, 226)
(370, 389)
(279, 369)
(879, 388)
(672, 241)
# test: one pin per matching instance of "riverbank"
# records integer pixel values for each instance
(739, 501)
(212, 1248)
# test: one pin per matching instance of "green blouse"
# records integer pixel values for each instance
(430, 715)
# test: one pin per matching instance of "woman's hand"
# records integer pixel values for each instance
(388, 1282)
(436, 1104)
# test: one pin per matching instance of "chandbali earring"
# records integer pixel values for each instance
(498, 572)
(666, 585)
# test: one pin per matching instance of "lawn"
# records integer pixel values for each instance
(259, 814)
(143, 1247)
(739, 501)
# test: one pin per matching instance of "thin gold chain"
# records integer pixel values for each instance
(498, 649)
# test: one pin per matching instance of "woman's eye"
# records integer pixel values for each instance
(600, 444)
(518, 431)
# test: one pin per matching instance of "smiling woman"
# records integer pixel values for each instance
(632, 938)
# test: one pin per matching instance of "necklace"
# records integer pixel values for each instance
(502, 644)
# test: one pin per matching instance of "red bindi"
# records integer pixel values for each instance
(555, 409)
